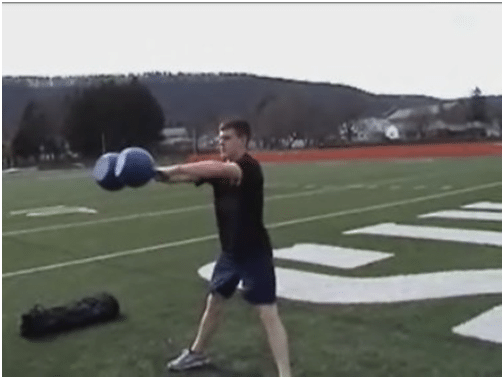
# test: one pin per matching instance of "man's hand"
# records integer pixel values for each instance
(161, 176)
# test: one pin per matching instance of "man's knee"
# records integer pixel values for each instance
(215, 303)
(268, 313)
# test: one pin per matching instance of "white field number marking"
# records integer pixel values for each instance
(486, 326)
(486, 205)
(333, 256)
(318, 288)
(465, 215)
(335, 289)
(41, 209)
(313, 287)
(51, 211)
(390, 229)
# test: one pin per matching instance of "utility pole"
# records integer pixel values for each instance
(195, 141)
(103, 142)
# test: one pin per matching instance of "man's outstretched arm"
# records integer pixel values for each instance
(163, 177)
(190, 172)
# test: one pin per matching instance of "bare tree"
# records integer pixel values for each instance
(285, 114)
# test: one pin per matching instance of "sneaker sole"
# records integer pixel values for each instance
(190, 366)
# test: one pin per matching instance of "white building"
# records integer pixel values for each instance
(175, 136)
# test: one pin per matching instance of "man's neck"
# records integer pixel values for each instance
(238, 156)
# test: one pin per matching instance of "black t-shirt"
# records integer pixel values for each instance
(239, 211)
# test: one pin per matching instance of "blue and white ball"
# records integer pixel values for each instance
(135, 167)
(104, 172)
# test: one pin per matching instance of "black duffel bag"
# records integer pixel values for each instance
(40, 321)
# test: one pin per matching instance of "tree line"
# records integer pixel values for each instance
(116, 112)
(107, 117)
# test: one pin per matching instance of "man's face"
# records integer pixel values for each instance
(229, 143)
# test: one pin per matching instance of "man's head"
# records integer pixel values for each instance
(233, 139)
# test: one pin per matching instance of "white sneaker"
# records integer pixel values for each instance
(186, 360)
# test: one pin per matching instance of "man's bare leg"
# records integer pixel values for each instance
(277, 337)
(209, 322)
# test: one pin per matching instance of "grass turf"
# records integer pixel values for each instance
(162, 296)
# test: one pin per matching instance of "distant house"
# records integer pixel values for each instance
(374, 130)
(173, 136)
(446, 119)
(450, 112)
(474, 129)
(401, 124)
(176, 139)
(406, 114)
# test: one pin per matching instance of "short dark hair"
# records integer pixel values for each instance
(241, 128)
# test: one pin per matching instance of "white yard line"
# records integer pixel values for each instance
(109, 256)
(326, 189)
(281, 185)
(412, 160)
(65, 176)
(270, 226)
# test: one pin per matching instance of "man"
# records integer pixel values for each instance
(246, 255)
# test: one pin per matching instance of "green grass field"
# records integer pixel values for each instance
(161, 295)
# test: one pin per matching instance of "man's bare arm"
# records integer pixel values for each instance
(163, 177)
(205, 170)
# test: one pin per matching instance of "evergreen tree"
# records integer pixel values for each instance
(478, 106)
(118, 115)
(31, 133)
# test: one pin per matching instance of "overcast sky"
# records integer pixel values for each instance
(441, 50)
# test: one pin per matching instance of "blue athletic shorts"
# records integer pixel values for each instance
(257, 275)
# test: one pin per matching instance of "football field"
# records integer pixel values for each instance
(384, 268)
